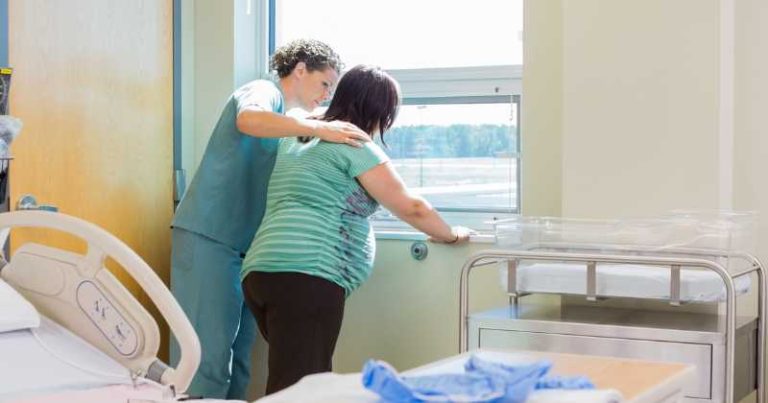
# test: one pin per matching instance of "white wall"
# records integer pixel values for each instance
(640, 106)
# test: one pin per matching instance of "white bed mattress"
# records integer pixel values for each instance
(50, 359)
(628, 281)
(15, 312)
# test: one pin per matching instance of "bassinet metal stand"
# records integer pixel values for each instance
(488, 257)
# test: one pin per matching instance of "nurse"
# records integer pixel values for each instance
(218, 216)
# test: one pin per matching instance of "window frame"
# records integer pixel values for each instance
(387, 226)
(434, 86)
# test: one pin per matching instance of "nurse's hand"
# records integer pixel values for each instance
(340, 132)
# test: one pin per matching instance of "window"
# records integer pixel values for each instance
(408, 34)
(456, 140)
(461, 156)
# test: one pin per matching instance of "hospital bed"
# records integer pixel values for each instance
(616, 380)
(91, 333)
(686, 259)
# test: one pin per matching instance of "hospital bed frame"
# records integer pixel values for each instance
(675, 259)
(65, 286)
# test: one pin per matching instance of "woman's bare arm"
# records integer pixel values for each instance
(384, 184)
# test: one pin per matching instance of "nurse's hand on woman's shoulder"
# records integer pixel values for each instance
(460, 235)
(340, 132)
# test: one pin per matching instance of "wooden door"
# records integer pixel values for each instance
(93, 85)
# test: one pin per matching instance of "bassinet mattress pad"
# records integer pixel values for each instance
(623, 280)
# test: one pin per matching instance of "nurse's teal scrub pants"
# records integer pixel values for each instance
(223, 323)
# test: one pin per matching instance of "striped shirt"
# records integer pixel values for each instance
(316, 220)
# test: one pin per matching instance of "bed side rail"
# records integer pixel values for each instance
(90, 273)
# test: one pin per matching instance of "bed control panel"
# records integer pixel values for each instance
(107, 318)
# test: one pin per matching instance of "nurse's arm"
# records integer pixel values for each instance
(260, 123)
(384, 184)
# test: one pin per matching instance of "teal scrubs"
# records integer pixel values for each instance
(212, 229)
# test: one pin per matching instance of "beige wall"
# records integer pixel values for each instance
(212, 66)
(643, 96)
(407, 313)
(640, 98)
(218, 55)
(751, 139)
(620, 111)
(542, 108)
(751, 103)
(639, 107)
(188, 144)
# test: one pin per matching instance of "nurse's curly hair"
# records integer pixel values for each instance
(315, 54)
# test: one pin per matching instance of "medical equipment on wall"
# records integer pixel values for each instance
(685, 258)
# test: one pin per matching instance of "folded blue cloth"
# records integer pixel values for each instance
(475, 364)
(482, 381)
(380, 377)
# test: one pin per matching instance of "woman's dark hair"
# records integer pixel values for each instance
(367, 97)
(315, 54)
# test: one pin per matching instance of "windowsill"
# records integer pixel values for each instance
(480, 222)
(419, 236)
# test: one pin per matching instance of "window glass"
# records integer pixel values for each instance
(406, 34)
(457, 144)
(458, 155)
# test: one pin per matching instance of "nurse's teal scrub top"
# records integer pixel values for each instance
(227, 197)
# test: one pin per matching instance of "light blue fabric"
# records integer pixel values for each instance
(205, 279)
(227, 197)
(381, 378)
(482, 381)
(508, 372)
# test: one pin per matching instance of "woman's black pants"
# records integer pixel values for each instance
(300, 317)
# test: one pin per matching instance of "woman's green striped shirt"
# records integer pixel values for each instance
(316, 220)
